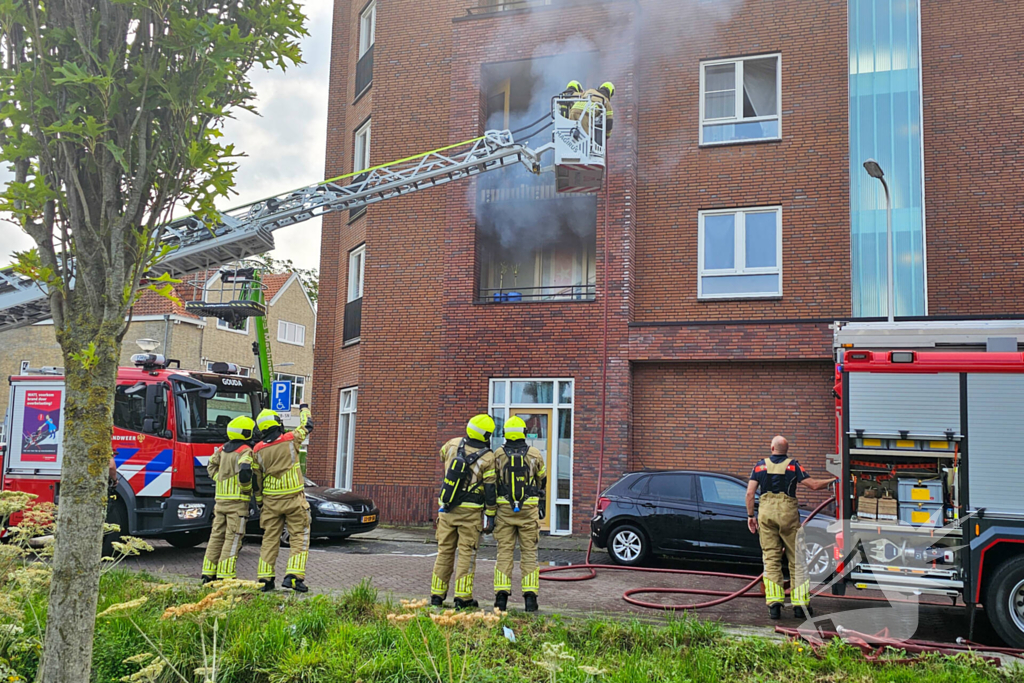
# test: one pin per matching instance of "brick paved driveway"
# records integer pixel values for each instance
(398, 562)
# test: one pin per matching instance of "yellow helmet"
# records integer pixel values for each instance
(268, 419)
(515, 428)
(241, 428)
(575, 85)
(480, 427)
(609, 86)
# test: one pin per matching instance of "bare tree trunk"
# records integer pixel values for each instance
(67, 650)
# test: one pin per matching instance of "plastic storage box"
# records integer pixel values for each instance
(915, 491)
(921, 514)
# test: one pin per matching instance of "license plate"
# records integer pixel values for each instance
(369, 518)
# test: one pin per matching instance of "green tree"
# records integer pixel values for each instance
(309, 277)
(112, 114)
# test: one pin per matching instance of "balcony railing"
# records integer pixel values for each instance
(353, 320)
(364, 71)
(490, 6)
(515, 295)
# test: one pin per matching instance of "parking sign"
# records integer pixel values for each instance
(281, 396)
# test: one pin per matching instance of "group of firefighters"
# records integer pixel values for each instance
(577, 104)
(260, 458)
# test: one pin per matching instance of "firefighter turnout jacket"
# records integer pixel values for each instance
(230, 467)
(519, 514)
(779, 528)
(584, 110)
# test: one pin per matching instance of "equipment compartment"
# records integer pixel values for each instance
(914, 491)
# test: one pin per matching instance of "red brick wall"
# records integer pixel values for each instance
(974, 156)
(805, 172)
(722, 416)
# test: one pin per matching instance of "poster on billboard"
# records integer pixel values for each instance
(40, 426)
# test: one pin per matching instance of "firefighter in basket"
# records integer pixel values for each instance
(584, 110)
(522, 489)
(281, 492)
(573, 90)
(467, 506)
(778, 523)
(230, 468)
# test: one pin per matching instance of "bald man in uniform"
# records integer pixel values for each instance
(778, 522)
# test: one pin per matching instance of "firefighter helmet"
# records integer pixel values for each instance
(268, 419)
(480, 427)
(608, 88)
(575, 86)
(241, 428)
(515, 428)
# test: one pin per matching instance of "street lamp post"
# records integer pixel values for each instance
(875, 171)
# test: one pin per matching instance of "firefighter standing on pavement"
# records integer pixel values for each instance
(778, 522)
(522, 489)
(281, 492)
(231, 468)
(467, 491)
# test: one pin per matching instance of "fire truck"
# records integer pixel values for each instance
(930, 460)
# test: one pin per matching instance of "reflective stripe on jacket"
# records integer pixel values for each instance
(224, 467)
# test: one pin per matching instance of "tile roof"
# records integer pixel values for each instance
(151, 303)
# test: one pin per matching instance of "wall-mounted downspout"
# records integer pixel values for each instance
(167, 331)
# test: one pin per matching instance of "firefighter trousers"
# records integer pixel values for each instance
(459, 530)
(779, 529)
(510, 527)
(278, 511)
(229, 518)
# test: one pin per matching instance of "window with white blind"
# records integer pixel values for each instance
(740, 253)
(346, 438)
(361, 148)
(740, 100)
(367, 27)
(291, 333)
(356, 270)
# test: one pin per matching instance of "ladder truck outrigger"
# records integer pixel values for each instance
(167, 421)
(930, 460)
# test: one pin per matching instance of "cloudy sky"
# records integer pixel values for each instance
(284, 144)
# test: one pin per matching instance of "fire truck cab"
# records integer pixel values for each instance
(167, 423)
(930, 460)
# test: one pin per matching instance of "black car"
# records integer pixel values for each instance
(335, 513)
(699, 515)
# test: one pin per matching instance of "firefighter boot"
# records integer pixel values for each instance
(775, 610)
(206, 578)
(465, 604)
(295, 583)
(530, 599)
(268, 584)
(501, 601)
(798, 612)
(436, 601)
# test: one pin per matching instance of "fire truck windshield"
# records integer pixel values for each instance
(206, 420)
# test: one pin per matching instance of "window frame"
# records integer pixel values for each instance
(710, 477)
(738, 88)
(349, 413)
(368, 15)
(358, 164)
(221, 325)
(284, 340)
(359, 252)
(739, 253)
(297, 381)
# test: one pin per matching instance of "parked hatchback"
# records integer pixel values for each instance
(699, 515)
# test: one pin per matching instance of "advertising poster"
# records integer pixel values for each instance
(40, 430)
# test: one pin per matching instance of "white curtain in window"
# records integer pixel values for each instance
(759, 87)
(720, 91)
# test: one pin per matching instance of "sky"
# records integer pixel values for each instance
(284, 145)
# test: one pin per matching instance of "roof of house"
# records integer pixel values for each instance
(273, 284)
(151, 303)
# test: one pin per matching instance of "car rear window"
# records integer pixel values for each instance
(672, 486)
(638, 485)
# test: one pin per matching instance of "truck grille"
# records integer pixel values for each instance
(204, 484)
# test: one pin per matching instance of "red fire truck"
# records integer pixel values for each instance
(167, 422)
(930, 443)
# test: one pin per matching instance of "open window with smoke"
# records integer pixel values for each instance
(532, 244)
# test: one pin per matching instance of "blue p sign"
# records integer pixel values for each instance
(281, 396)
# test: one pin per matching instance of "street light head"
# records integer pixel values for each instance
(147, 344)
(873, 169)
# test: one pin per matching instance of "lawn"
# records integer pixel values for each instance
(355, 636)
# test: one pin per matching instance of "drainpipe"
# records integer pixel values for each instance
(167, 326)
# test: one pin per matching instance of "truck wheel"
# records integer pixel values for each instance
(188, 539)
(1004, 601)
(117, 514)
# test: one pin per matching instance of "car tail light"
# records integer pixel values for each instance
(602, 504)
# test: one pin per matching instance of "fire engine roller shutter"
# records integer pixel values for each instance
(995, 434)
(886, 404)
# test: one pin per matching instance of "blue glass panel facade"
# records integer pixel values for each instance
(885, 124)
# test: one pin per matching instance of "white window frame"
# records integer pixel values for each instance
(367, 27)
(355, 287)
(297, 381)
(510, 407)
(221, 325)
(739, 252)
(361, 162)
(738, 86)
(282, 333)
(343, 480)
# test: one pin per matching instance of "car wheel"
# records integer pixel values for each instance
(187, 539)
(628, 545)
(820, 563)
(1004, 602)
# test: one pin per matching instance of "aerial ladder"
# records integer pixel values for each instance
(196, 245)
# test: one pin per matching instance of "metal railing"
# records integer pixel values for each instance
(353, 320)
(489, 6)
(515, 295)
(364, 71)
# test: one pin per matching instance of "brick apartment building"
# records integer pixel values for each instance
(681, 317)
